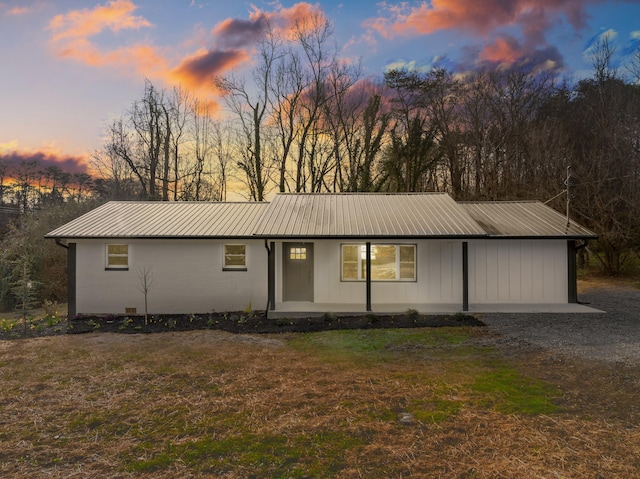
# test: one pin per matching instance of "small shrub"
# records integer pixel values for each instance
(52, 320)
(412, 313)
(126, 322)
(50, 308)
(6, 325)
(329, 317)
(459, 317)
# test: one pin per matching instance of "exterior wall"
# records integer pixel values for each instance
(438, 275)
(518, 271)
(188, 277)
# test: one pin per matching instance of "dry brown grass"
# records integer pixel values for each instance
(607, 282)
(211, 404)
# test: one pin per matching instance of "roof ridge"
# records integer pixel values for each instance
(493, 202)
(138, 202)
(367, 193)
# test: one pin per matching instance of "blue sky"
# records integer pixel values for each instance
(69, 67)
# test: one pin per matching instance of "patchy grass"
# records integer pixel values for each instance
(594, 281)
(372, 346)
(509, 392)
(441, 402)
(469, 371)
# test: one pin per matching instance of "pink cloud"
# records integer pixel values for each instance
(504, 50)
(18, 11)
(43, 159)
(477, 17)
(299, 15)
(236, 33)
(116, 15)
(483, 19)
(232, 43)
(198, 71)
(73, 32)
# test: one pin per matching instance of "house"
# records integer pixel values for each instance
(304, 253)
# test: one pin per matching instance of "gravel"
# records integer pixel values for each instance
(613, 336)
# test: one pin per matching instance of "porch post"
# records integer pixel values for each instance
(71, 281)
(572, 291)
(465, 276)
(368, 276)
(271, 276)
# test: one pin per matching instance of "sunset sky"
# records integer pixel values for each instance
(69, 67)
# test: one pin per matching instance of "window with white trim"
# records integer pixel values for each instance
(117, 256)
(235, 257)
(389, 262)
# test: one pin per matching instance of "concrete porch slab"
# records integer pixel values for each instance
(299, 309)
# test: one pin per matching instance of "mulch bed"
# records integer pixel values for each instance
(256, 322)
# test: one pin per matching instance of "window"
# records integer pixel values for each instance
(235, 257)
(298, 253)
(388, 262)
(117, 256)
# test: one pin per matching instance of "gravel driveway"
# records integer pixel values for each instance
(613, 336)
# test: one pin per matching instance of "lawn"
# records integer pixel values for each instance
(424, 402)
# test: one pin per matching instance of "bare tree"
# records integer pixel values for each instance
(180, 107)
(26, 175)
(146, 281)
(601, 57)
(633, 67)
(149, 121)
(4, 173)
(312, 36)
(287, 94)
(117, 179)
(250, 107)
(223, 154)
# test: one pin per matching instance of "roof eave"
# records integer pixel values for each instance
(545, 237)
(354, 237)
(164, 237)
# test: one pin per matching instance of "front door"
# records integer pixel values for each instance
(298, 271)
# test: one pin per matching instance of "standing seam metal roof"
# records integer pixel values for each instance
(325, 215)
(523, 219)
(136, 219)
(366, 215)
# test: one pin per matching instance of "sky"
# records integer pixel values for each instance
(69, 67)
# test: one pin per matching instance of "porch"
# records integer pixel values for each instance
(297, 309)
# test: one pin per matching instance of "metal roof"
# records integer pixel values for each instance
(325, 215)
(523, 219)
(361, 215)
(153, 219)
